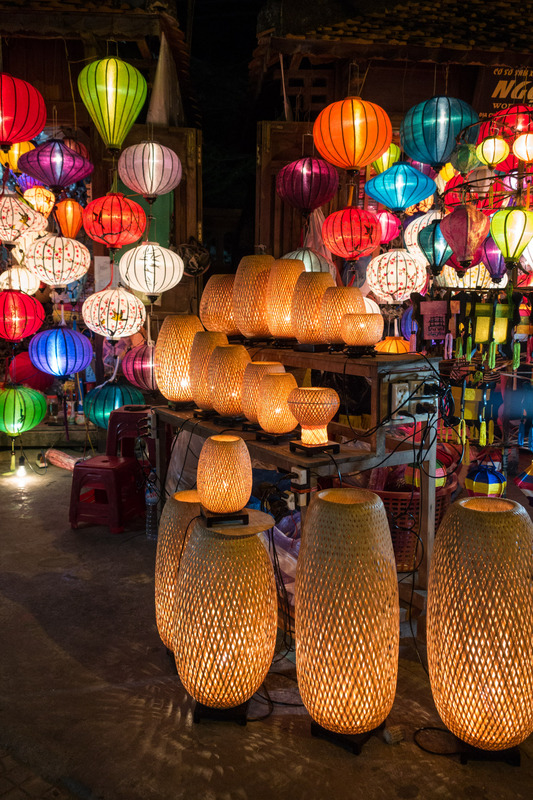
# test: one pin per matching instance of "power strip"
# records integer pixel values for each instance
(399, 393)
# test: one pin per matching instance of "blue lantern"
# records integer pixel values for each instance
(400, 186)
(100, 402)
(484, 481)
(408, 325)
(434, 246)
(60, 351)
(428, 131)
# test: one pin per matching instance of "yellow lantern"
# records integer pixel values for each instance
(492, 151)
(202, 349)
(225, 375)
(216, 305)
(172, 356)
(523, 147)
(362, 330)
(249, 295)
(41, 199)
(392, 344)
(307, 305)
(253, 375)
(282, 280)
(389, 157)
(11, 158)
(338, 301)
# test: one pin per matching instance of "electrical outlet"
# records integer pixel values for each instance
(399, 392)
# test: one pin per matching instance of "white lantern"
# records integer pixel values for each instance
(393, 275)
(313, 261)
(57, 260)
(114, 313)
(151, 269)
(21, 279)
(150, 169)
(24, 243)
(476, 277)
(17, 217)
(413, 229)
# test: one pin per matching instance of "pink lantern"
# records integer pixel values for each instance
(394, 275)
(150, 169)
(307, 184)
(351, 232)
(464, 230)
(55, 164)
(138, 367)
(389, 224)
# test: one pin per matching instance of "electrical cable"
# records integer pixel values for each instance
(434, 752)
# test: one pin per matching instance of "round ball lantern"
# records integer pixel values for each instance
(202, 349)
(69, 215)
(512, 230)
(58, 261)
(151, 269)
(172, 358)
(253, 375)
(114, 220)
(307, 184)
(307, 306)
(224, 474)
(434, 246)
(390, 226)
(78, 147)
(41, 199)
(391, 155)
(225, 373)
(113, 313)
(216, 305)
(362, 330)
(429, 130)
(282, 280)
(400, 186)
(23, 372)
(394, 275)
(464, 230)
(493, 259)
(413, 228)
(23, 111)
(18, 218)
(492, 151)
(150, 169)
(138, 367)
(55, 164)
(60, 351)
(113, 92)
(20, 315)
(21, 279)
(336, 302)
(312, 261)
(249, 295)
(101, 401)
(273, 412)
(523, 147)
(351, 232)
(21, 409)
(412, 475)
(11, 158)
(314, 407)
(352, 133)
(485, 481)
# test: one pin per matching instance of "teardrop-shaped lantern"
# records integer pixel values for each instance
(150, 169)
(55, 164)
(410, 236)
(400, 186)
(464, 230)
(352, 133)
(58, 260)
(434, 246)
(428, 131)
(389, 224)
(10, 159)
(351, 232)
(114, 220)
(151, 269)
(307, 184)
(394, 275)
(60, 351)
(17, 218)
(113, 313)
(20, 315)
(69, 215)
(138, 367)
(23, 111)
(493, 259)
(41, 199)
(512, 230)
(21, 409)
(390, 156)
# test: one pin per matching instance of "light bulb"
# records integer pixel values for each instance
(21, 469)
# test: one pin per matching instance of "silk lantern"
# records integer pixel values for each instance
(113, 313)
(307, 183)
(150, 169)
(138, 367)
(224, 474)
(400, 186)
(362, 330)
(412, 229)
(307, 305)
(21, 409)
(57, 260)
(464, 230)
(434, 246)
(77, 146)
(20, 315)
(60, 351)
(273, 412)
(351, 232)
(512, 230)
(204, 343)
(216, 305)
(394, 275)
(23, 372)
(523, 147)
(41, 199)
(464, 158)
(485, 481)
(55, 164)
(352, 133)
(390, 226)
(69, 215)
(23, 111)
(336, 302)
(314, 407)
(151, 269)
(429, 129)
(253, 375)
(249, 295)
(476, 277)
(312, 261)
(493, 259)
(11, 157)
(21, 279)
(17, 218)
(391, 155)
(101, 401)
(172, 358)
(492, 151)
(282, 279)
(114, 220)
(225, 373)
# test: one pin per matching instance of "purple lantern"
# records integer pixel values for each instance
(307, 184)
(493, 259)
(425, 169)
(55, 164)
(26, 182)
(138, 367)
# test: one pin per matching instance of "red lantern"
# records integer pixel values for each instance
(114, 220)
(69, 215)
(454, 262)
(23, 111)
(22, 372)
(465, 230)
(20, 315)
(351, 233)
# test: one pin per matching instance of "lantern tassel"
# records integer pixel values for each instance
(490, 431)
(483, 434)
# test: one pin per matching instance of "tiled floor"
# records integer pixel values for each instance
(19, 782)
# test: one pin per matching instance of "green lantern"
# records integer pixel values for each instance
(21, 409)
(464, 158)
(113, 93)
(389, 157)
(512, 229)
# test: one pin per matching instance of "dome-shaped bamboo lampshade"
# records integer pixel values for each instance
(216, 305)
(172, 356)
(253, 375)
(174, 531)
(225, 373)
(314, 407)
(307, 305)
(282, 279)
(226, 617)
(338, 301)
(224, 474)
(347, 629)
(273, 412)
(362, 330)
(202, 349)
(480, 622)
(249, 295)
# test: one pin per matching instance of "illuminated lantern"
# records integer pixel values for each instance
(512, 230)
(21, 409)
(113, 313)
(249, 295)
(336, 302)
(138, 367)
(172, 359)
(78, 147)
(523, 147)
(25, 242)
(434, 246)
(57, 260)
(69, 215)
(400, 186)
(216, 305)
(224, 474)
(113, 93)
(307, 184)
(273, 412)
(314, 407)
(389, 157)
(371, 307)
(17, 218)
(390, 226)
(202, 349)
(410, 236)
(253, 375)
(312, 261)
(151, 269)
(464, 230)
(429, 130)
(392, 344)
(485, 481)
(114, 220)
(41, 199)
(352, 133)
(454, 262)
(464, 158)
(150, 169)
(282, 279)
(55, 164)
(10, 159)
(307, 306)
(21, 279)
(225, 373)
(362, 330)
(351, 232)
(60, 351)
(394, 275)
(101, 401)
(476, 277)
(20, 315)
(492, 151)
(23, 111)
(26, 182)
(507, 123)
(23, 372)
(493, 259)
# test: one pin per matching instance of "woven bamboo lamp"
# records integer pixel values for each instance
(225, 373)
(173, 354)
(202, 349)
(314, 407)
(338, 301)
(347, 627)
(224, 474)
(253, 375)
(480, 622)
(249, 296)
(174, 531)
(307, 305)
(273, 412)
(282, 279)
(216, 305)
(362, 330)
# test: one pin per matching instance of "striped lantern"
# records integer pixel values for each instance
(60, 351)
(429, 129)
(23, 111)
(55, 164)
(11, 158)
(434, 247)
(312, 261)
(41, 199)
(78, 147)
(17, 218)
(477, 277)
(69, 215)
(21, 279)
(151, 269)
(389, 224)
(21, 409)
(352, 133)
(485, 481)
(204, 343)
(249, 295)
(464, 230)
(25, 182)
(20, 315)
(410, 236)
(57, 260)
(150, 169)
(114, 220)
(351, 232)
(307, 183)
(412, 475)
(101, 401)
(138, 367)
(524, 481)
(394, 275)
(400, 186)
(113, 313)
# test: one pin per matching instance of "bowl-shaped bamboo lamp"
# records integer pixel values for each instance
(174, 531)
(224, 474)
(336, 303)
(307, 305)
(172, 356)
(253, 375)
(249, 296)
(362, 330)
(216, 305)
(314, 407)
(225, 374)
(273, 412)
(226, 617)
(202, 349)
(480, 622)
(282, 279)
(347, 629)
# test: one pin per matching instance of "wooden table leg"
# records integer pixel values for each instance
(427, 504)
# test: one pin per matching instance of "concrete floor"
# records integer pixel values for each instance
(89, 700)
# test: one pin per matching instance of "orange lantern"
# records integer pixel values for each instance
(69, 215)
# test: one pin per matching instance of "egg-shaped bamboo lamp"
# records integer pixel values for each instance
(347, 628)
(226, 616)
(480, 622)
(216, 305)
(307, 306)
(362, 330)
(253, 375)
(172, 356)
(225, 373)
(314, 407)
(224, 474)
(202, 349)
(282, 279)
(338, 301)
(249, 296)
(273, 412)
(174, 531)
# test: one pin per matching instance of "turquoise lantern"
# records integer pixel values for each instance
(434, 246)
(400, 186)
(429, 130)
(100, 402)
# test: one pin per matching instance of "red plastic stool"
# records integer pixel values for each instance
(126, 425)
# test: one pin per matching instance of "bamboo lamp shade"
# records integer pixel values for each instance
(347, 626)
(57, 260)
(314, 407)
(202, 349)
(249, 295)
(352, 133)
(216, 305)
(226, 617)
(172, 356)
(174, 531)
(480, 622)
(273, 412)
(307, 306)
(225, 374)
(17, 218)
(282, 280)
(362, 330)
(69, 215)
(113, 313)
(20, 279)
(224, 474)
(41, 199)
(336, 302)
(253, 375)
